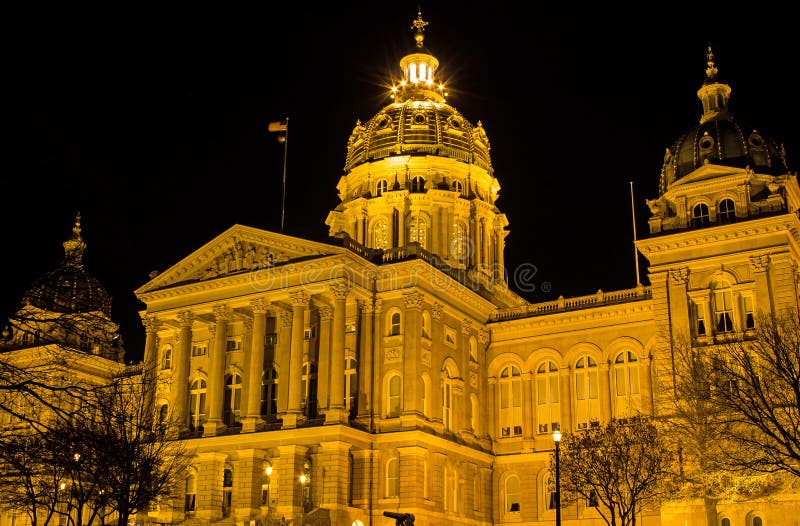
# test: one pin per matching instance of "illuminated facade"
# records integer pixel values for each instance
(392, 369)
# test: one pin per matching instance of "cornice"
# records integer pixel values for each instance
(608, 312)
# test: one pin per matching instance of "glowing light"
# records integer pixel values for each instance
(63, 485)
(557, 435)
(394, 89)
(268, 470)
(402, 83)
(304, 479)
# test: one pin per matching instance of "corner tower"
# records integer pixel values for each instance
(418, 172)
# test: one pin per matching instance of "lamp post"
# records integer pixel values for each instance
(557, 440)
(304, 480)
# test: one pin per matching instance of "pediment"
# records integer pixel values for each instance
(707, 172)
(238, 249)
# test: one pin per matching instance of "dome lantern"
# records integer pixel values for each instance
(713, 94)
(418, 69)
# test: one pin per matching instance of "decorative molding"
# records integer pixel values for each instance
(760, 263)
(151, 324)
(185, 318)
(340, 290)
(393, 354)
(366, 306)
(300, 298)
(414, 300)
(425, 357)
(286, 318)
(248, 325)
(473, 379)
(483, 336)
(378, 307)
(679, 276)
(222, 312)
(466, 327)
(436, 310)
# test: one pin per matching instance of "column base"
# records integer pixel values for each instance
(292, 420)
(336, 415)
(212, 428)
(251, 424)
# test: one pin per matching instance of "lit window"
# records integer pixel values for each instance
(393, 477)
(700, 318)
(201, 349)
(586, 393)
(232, 407)
(548, 408)
(381, 187)
(166, 360)
(394, 397)
(458, 246)
(726, 211)
(197, 404)
(233, 344)
(265, 484)
(269, 393)
(426, 324)
(475, 417)
(394, 324)
(512, 494)
(510, 402)
(700, 215)
(380, 234)
(190, 500)
(723, 306)
(749, 319)
(418, 230)
(450, 488)
(350, 383)
(626, 379)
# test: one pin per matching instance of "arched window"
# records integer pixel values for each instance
(227, 491)
(512, 494)
(510, 402)
(197, 404)
(394, 323)
(166, 359)
(269, 393)
(350, 384)
(393, 399)
(457, 187)
(586, 393)
(757, 521)
(418, 231)
(626, 379)
(725, 522)
(308, 386)
(418, 184)
(473, 349)
(726, 211)
(447, 400)
(381, 187)
(163, 413)
(190, 497)
(232, 406)
(548, 408)
(549, 487)
(393, 477)
(700, 215)
(723, 306)
(426, 324)
(458, 245)
(380, 234)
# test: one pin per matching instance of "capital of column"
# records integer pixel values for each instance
(378, 306)
(286, 318)
(260, 305)
(222, 312)
(759, 263)
(248, 324)
(325, 312)
(340, 289)
(151, 324)
(679, 276)
(436, 310)
(185, 318)
(466, 327)
(483, 336)
(414, 300)
(366, 306)
(299, 299)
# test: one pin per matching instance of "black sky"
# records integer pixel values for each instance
(154, 124)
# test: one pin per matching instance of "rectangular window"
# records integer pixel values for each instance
(449, 336)
(749, 319)
(200, 349)
(233, 344)
(271, 339)
(190, 502)
(700, 319)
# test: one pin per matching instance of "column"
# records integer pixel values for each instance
(760, 266)
(284, 352)
(255, 371)
(336, 413)
(411, 331)
(527, 411)
(294, 414)
(180, 373)
(324, 365)
(150, 365)
(565, 397)
(216, 373)
(365, 360)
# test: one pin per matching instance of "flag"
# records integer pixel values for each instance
(277, 126)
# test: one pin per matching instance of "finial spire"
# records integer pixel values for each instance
(74, 246)
(418, 26)
(711, 70)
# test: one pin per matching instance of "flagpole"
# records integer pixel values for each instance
(635, 251)
(285, 149)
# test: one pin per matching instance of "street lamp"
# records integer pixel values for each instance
(557, 440)
(304, 480)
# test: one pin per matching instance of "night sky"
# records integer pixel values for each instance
(153, 124)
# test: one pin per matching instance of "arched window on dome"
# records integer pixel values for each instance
(458, 245)
(726, 211)
(418, 231)
(457, 187)
(700, 215)
(418, 184)
(380, 234)
(381, 187)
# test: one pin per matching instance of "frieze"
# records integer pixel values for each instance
(242, 255)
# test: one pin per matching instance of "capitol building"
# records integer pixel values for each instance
(393, 368)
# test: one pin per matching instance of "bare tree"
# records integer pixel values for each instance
(622, 466)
